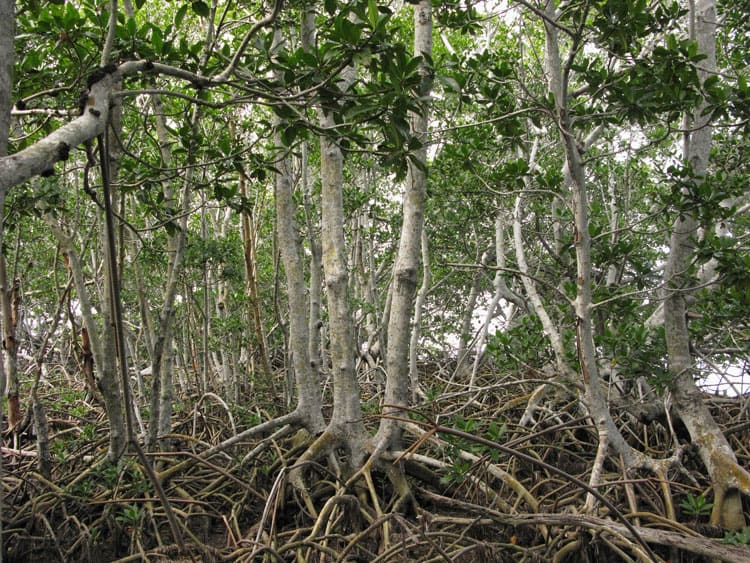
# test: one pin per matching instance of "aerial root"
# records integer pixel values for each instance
(276, 493)
(496, 471)
(727, 510)
(620, 544)
(292, 418)
(358, 539)
(355, 511)
(405, 500)
(218, 400)
(331, 517)
(319, 448)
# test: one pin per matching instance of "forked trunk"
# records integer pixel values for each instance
(574, 174)
(305, 373)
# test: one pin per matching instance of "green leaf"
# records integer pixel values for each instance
(350, 32)
(372, 12)
(330, 6)
(180, 15)
(157, 39)
(70, 17)
(671, 42)
(417, 162)
(288, 135)
(284, 111)
(201, 8)
(225, 145)
(449, 83)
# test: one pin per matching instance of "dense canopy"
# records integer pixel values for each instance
(368, 280)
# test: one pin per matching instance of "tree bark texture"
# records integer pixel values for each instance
(416, 332)
(290, 245)
(405, 271)
(574, 175)
(728, 478)
(316, 267)
(306, 370)
(248, 243)
(346, 421)
(102, 345)
(7, 59)
(161, 353)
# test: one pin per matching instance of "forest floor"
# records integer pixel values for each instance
(471, 501)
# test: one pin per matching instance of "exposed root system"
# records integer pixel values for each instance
(449, 496)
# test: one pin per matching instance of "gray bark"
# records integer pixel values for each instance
(346, 420)
(306, 377)
(316, 268)
(307, 32)
(102, 346)
(45, 153)
(727, 477)
(498, 283)
(575, 176)
(418, 310)
(406, 268)
(550, 331)
(161, 352)
(42, 155)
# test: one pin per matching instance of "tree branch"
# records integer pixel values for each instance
(227, 72)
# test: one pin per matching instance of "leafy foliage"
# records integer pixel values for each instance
(494, 155)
